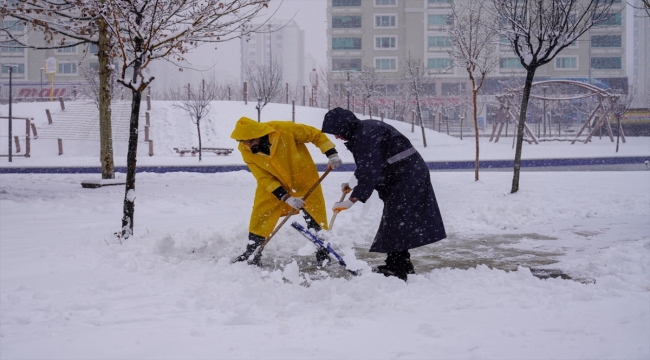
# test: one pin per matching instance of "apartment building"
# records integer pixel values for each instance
(640, 71)
(382, 34)
(277, 41)
(30, 79)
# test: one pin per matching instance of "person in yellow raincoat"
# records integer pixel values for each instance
(277, 155)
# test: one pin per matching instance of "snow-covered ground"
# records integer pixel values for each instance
(171, 128)
(69, 289)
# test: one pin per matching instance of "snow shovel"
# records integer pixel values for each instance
(336, 212)
(293, 212)
(321, 245)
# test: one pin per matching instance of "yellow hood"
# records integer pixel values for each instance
(247, 128)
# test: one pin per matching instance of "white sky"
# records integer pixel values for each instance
(308, 14)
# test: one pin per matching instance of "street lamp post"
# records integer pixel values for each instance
(347, 88)
(41, 93)
(11, 69)
(544, 88)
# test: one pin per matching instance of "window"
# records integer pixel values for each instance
(453, 89)
(611, 20)
(68, 68)
(438, 20)
(13, 26)
(386, 63)
(94, 66)
(606, 40)
(346, 22)
(440, 1)
(346, 64)
(346, 43)
(387, 42)
(337, 3)
(566, 63)
(510, 63)
(440, 41)
(606, 63)
(439, 63)
(12, 48)
(504, 41)
(428, 88)
(93, 49)
(67, 50)
(385, 21)
(17, 68)
(385, 3)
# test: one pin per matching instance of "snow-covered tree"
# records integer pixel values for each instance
(643, 5)
(165, 29)
(619, 106)
(265, 83)
(474, 36)
(365, 83)
(538, 30)
(418, 77)
(195, 101)
(67, 23)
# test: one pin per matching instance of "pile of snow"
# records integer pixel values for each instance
(69, 289)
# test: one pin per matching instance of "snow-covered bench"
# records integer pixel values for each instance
(194, 150)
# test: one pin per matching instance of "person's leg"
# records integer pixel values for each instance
(321, 254)
(254, 241)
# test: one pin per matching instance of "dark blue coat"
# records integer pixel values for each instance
(411, 217)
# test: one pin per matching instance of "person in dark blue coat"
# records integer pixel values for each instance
(387, 162)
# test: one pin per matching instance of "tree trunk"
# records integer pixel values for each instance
(131, 159)
(105, 129)
(198, 129)
(417, 103)
(618, 132)
(530, 75)
(475, 130)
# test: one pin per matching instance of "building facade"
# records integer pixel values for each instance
(640, 72)
(31, 80)
(278, 42)
(382, 34)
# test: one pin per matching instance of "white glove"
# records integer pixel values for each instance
(296, 203)
(343, 205)
(334, 161)
(345, 188)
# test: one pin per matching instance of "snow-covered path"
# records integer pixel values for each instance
(69, 290)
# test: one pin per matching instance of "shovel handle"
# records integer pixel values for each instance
(336, 212)
(293, 211)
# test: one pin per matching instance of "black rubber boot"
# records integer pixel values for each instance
(321, 254)
(253, 242)
(398, 264)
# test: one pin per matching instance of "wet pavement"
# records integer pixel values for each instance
(456, 252)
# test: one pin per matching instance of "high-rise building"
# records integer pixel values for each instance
(640, 72)
(277, 41)
(382, 34)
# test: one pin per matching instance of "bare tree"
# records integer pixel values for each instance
(265, 83)
(196, 102)
(474, 38)
(619, 106)
(92, 87)
(67, 23)
(365, 83)
(643, 5)
(537, 31)
(417, 77)
(165, 29)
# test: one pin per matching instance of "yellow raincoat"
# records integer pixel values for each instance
(290, 165)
